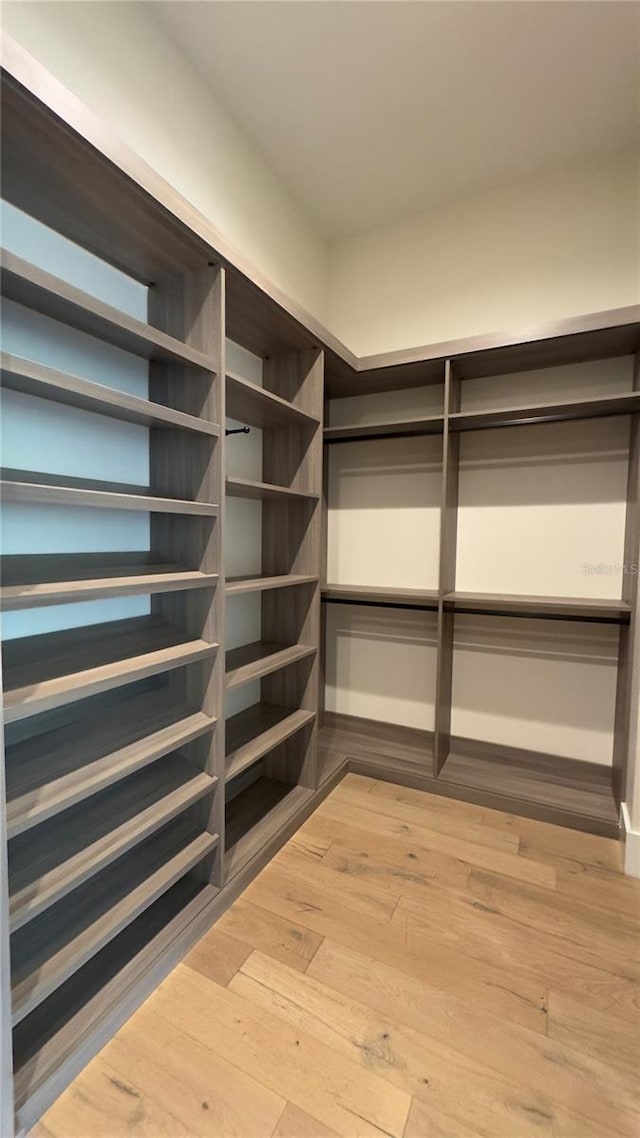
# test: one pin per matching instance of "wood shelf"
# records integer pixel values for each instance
(376, 595)
(252, 661)
(56, 668)
(582, 608)
(235, 586)
(59, 942)
(54, 579)
(66, 763)
(61, 854)
(100, 996)
(622, 404)
(252, 733)
(256, 815)
(247, 402)
(432, 425)
(565, 791)
(42, 292)
(29, 488)
(31, 378)
(245, 488)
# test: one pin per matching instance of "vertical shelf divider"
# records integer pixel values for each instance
(448, 544)
(191, 306)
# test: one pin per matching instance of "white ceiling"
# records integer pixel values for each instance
(374, 111)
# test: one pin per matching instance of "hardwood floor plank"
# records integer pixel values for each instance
(516, 997)
(483, 857)
(571, 1078)
(542, 838)
(296, 1123)
(364, 898)
(181, 1074)
(101, 1103)
(403, 1056)
(271, 934)
(604, 1035)
(430, 814)
(289, 1062)
(218, 956)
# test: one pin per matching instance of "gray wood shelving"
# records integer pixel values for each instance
(375, 595)
(247, 488)
(257, 814)
(392, 429)
(25, 488)
(35, 379)
(249, 403)
(253, 661)
(236, 586)
(252, 733)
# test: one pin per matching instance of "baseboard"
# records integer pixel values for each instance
(631, 845)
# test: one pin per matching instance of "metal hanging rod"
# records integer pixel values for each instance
(237, 430)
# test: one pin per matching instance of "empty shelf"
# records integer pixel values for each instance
(44, 382)
(47, 671)
(249, 403)
(237, 585)
(565, 791)
(65, 763)
(433, 425)
(57, 578)
(59, 942)
(622, 404)
(244, 488)
(251, 661)
(253, 733)
(52, 490)
(41, 291)
(584, 608)
(377, 595)
(59, 855)
(103, 992)
(257, 815)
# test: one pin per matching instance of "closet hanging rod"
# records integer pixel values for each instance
(237, 430)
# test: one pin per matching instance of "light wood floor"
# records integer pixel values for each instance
(407, 966)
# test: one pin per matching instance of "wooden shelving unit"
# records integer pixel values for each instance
(131, 821)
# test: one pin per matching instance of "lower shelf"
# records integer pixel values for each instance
(56, 1040)
(252, 733)
(256, 815)
(47, 951)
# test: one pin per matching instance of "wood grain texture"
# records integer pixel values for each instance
(35, 379)
(251, 661)
(388, 430)
(623, 404)
(52, 491)
(474, 1003)
(372, 594)
(249, 403)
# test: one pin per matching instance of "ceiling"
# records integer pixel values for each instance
(374, 111)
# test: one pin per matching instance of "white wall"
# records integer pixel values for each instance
(119, 61)
(560, 245)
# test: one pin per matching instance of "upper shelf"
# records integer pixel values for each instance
(245, 488)
(56, 668)
(583, 608)
(59, 387)
(28, 487)
(235, 586)
(252, 661)
(591, 408)
(249, 403)
(59, 578)
(381, 596)
(432, 425)
(41, 291)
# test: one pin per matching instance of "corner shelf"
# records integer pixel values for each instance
(247, 402)
(62, 853)
(246, 488)
(53, 579)
(59, 942)
(256, 816)
(597, 405)
(52, 490)
(31, 378)
(375, 595)
(34, 288)
(252, 661)
(56, 668)
(431, 425)
(569, 608)
(236, 586)
(65, 764)
(252, 733)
